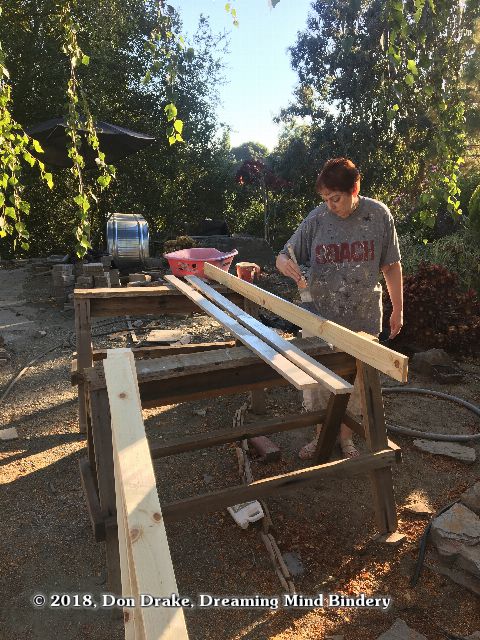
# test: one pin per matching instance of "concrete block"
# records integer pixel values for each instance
(450, 449)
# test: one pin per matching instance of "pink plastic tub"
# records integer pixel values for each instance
(190, 262)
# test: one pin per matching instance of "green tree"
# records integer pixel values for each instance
(350, 90)
(250, 151)
(171, 185)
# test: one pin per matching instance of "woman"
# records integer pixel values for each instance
(347, 240)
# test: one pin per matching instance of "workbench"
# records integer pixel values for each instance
(123, 301)
(221, 369)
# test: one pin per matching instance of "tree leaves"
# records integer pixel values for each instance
(170, 111)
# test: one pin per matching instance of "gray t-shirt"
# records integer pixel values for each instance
(346, 255)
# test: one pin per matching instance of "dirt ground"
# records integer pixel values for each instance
(48, 545)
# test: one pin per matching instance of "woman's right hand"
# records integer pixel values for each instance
(288, 268)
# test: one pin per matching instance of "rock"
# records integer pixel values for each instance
(294, 563)
(139, 277)
(423, 361)
(200, 412)
(8, 434)
(471, 498)
(164, 335)
(40, 334)
(401, 631)
(419, 507)
(394, 539)
(474, 636)
(437, 564)
(138, 323)
(450, 449)
(207, 478)
(456, 535)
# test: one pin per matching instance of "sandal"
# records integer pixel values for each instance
(348, 449)
(307, 451)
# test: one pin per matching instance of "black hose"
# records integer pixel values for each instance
(423, 543)
(429, 435)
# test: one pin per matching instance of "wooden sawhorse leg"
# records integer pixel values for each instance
(104, 471)
(83, 333)
(336, 407)
(376, 437)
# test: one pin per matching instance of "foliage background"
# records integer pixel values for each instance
(342, 105)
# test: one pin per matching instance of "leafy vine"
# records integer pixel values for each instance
(164, 44)
(75, 120)
(15, 148)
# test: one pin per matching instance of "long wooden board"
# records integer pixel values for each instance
(275, 485)
(146, 538)
(335, 384)
(390, 362)
(151, 352)
(243, 432)
(284, 367)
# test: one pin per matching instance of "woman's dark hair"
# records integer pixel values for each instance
(338, 174)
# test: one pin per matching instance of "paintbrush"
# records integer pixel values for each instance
(302, 285)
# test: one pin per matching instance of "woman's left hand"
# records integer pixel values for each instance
(396, 323)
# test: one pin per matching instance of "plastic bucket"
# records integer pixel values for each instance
(247, 271)
(191, 262)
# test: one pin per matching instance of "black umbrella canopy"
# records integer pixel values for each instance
(115, 142)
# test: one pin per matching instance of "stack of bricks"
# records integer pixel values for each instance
(82, 275)
(97, 274)
(89, 275)
(63, 282)
(101, 278)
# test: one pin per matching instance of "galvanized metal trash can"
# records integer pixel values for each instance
(127, 239)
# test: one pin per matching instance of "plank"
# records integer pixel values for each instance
(284, 367)
(332, 382)
(287, 482)
(376, 437)
(174, 349)
(258, 403)
(152, 352)
(131, 617)
(245, 431)
(124, 293)
(235, 370)
(390, 362)
(146, 534)
(164, 300)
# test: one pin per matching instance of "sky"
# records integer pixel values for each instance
(259, 78)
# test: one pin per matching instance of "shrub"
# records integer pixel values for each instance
(474, 214)
(436, 312)
(459, 253)
(180, 242)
